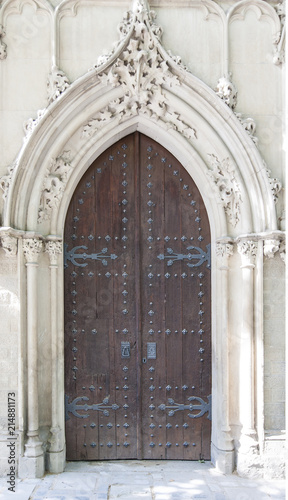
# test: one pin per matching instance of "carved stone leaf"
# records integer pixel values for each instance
(222, 174)
(5, 180)
(57, 83)
(54, 185)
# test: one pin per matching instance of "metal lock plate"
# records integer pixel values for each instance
(125, 349)
(151, 350)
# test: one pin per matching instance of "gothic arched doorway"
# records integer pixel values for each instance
(137, 309)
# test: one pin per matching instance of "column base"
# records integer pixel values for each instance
(31, 467)
(223, 460)
(55, 461)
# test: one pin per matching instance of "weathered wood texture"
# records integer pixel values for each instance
(141, 291)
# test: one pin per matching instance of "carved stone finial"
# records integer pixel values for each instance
(57, 83)
(227, 91)
(271, 247)
(54, 185)
(31, 249)
(248, 251)
(3, 46)
(53, 248)
(9, 244)
(223, 177)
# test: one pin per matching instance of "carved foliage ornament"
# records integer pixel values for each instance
(275, 183)
(227, 91)
(53, 248)
(31, 249)
(57, 83)
(54, 184)
(223, 176)
(9, 244)
(30, 124)
(143, 73)
(248, 251)
(5, 180)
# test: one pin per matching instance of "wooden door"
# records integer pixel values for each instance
(137, 309)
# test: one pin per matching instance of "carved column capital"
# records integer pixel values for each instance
(248, 251)
(271, 247)
(53, 248)
(224, 249)
(31, 249)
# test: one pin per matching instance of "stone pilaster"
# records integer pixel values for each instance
(55, 454)
(32, 463)
(248, 440)
(222, 449)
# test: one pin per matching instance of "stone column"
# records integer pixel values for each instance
(56, 454)
(222, 442)
(32, 464)
(248, 440)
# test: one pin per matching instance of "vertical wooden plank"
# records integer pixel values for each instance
(152, 289)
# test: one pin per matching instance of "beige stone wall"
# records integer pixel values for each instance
(274, 341)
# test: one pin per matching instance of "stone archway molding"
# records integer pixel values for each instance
(138, 86)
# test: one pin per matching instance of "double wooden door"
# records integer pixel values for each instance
(137, 309)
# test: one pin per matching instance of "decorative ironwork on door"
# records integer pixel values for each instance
(137, 309)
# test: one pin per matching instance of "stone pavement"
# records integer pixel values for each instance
(143, 480)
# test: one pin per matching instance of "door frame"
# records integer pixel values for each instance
(243, 223)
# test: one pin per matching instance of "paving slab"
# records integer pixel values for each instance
(143, 480)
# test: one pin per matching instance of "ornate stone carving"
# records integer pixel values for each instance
(248, 251)
(31, 249)
(142, 71)
(54, 184)
(224, 249)
(249, 125)
(30, 124)
(271, 247)
(279, 54)
(53, 248)
(5, 180)
(227, 91)
(275, 183)
(223, 176)
(3, 46)
(9, 244)
(57, 83)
